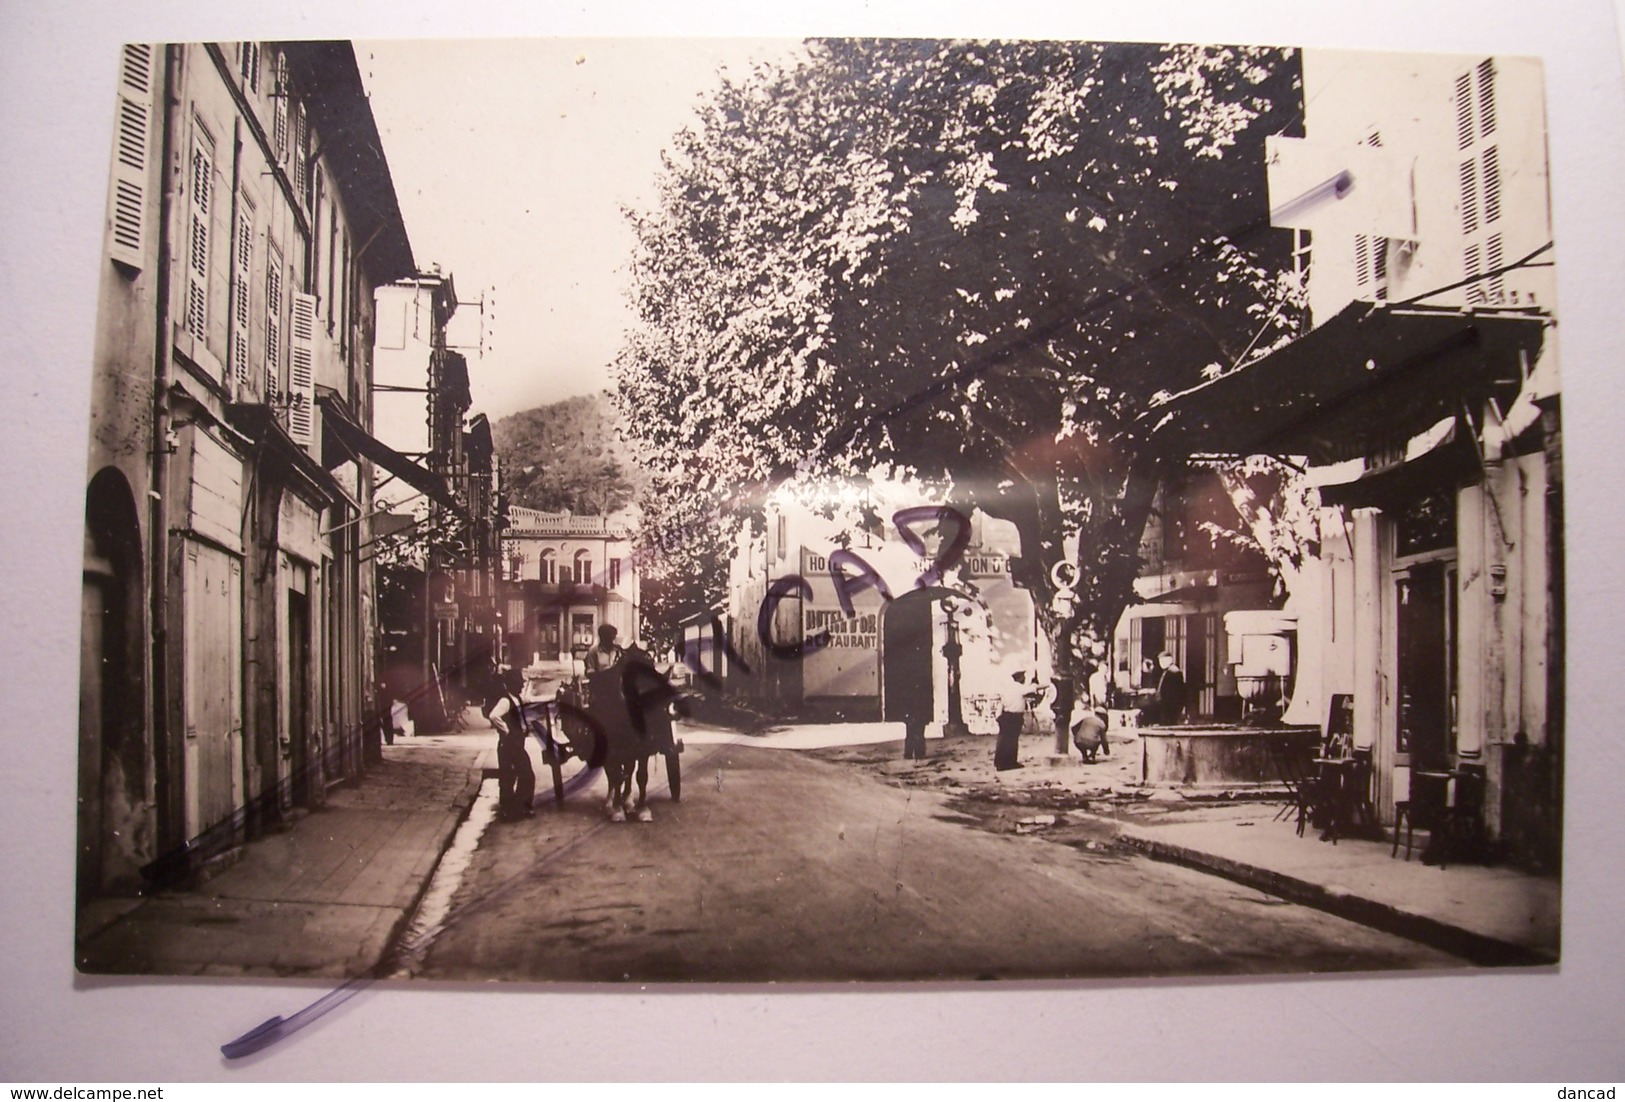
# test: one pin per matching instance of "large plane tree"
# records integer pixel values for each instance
(971, 263)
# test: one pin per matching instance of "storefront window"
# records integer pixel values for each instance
(1427, 523)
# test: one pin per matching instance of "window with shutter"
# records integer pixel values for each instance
(279, 116)
(127, 214)
(1485, 80)
(248, 54)
(1479, 180)
(1302, 254)
(332, 261)
(344, 299)
(1464, 110)
(1492, 262)
(302, 370)
(300, 146)
(1469, 196)
(1371, 252)
(199, 200)
(1492, 184)
(1473, 264)
(273, 322)
(242, 262)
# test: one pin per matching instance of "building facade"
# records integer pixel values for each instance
(439, 634)
(564, 576)
(831, 622)
(1425, 400)
(227, 612)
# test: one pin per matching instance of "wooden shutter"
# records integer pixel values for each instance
(273, 322)
(1491, 179)
(127, 214)
(242, 262)
(250, 55)
(1473, 262)
(302, 370)
(279, 118)
(299, 159)
(1469, 196)
(1485, 80)
(1479, 177)
(200, 187)
(1493, 259)
(1464, 110)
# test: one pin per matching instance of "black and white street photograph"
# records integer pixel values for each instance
(895, 509)
(993, 546)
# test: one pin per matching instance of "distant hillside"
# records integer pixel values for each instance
(567, 455)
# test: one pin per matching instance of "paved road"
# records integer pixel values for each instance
(780, 866)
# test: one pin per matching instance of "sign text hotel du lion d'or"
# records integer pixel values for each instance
(835, 578)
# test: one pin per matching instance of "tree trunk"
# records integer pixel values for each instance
(1108, 562)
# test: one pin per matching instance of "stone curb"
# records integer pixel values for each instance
(1476, 947)
(461, 805)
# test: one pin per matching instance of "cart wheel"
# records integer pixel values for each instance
(674, 775)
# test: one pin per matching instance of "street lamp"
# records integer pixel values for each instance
(954, 605)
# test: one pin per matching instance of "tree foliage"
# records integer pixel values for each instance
(970, 263)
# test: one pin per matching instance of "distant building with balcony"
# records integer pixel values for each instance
(564, 575)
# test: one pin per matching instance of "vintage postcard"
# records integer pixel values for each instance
(843, 509)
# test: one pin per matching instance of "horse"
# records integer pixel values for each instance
(628, 705)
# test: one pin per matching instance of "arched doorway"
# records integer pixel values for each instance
(113, 828)
(908, 654)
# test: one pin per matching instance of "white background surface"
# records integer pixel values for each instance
(57, 66)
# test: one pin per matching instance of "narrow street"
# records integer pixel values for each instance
(778, 865)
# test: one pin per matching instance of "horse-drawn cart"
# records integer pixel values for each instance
(612, 720)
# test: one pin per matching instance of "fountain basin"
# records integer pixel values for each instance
(1221, 755)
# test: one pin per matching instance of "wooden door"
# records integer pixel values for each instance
(299, 702)
(1423, 673)
(212, 598)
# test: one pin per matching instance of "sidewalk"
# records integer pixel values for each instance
(324, 899)
(1489, 915)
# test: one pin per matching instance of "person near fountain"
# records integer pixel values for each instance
(1170, 701)
(1089, 732)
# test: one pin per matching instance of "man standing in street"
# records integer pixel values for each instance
(1014, 700)
(606, 655)
(516, 780)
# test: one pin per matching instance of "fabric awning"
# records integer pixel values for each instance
(1259, 621)
(358, 440)
(1372, 376)
(1185, 594)
(1157, 609)
(1452, 461)
(258, 422)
